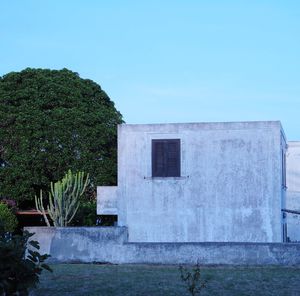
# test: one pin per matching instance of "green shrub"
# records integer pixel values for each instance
(7, 218)
(19, 272)
(86, 214)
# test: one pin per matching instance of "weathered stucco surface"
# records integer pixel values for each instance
(109, 244)
(85, 244)
(293, 190)
(107, 200)
(230, 189)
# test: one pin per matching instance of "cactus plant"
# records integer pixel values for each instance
(63, 199)
(40, 207)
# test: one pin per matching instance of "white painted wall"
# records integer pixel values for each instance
(293, 191)
(107, 200)
(229, 190)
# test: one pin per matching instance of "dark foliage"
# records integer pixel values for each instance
(19, 273)
(52, 121)
(7, 218)
(10, 203)
(107, 220)
(86, 214)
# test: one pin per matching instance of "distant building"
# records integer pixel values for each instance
(293, 191)
(202, 182)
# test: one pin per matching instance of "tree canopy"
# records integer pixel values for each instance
(52, 121)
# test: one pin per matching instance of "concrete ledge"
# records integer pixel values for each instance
(109, 244)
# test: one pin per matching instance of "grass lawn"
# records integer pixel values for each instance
(125, 280)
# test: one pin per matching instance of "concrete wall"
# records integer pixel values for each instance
(84, 244)
(293, 190)
(229, 189)
(107, 200)
(109, 244)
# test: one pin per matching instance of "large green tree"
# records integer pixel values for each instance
(52, 121)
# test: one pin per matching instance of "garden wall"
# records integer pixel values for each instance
(109, 244)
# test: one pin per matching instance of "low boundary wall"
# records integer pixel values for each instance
(109, 245)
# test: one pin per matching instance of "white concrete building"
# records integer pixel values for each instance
(200, 182)
(293, 191)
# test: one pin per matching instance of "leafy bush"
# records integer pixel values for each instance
(86, 214)
(19, 272)
(7, 218)
(10, 203)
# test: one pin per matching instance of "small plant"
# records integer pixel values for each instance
(63, 199)
(19, 272)
(193, 279)
(7, 218)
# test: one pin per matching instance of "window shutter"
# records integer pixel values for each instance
(166, 158)
(173, 158)
(158, 159)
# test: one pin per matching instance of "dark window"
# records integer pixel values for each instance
(166, 158)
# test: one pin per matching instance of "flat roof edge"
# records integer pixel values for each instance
(275, 122)
(293, 143)
(207, 125)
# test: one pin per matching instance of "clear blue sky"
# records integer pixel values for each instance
(167, 61)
